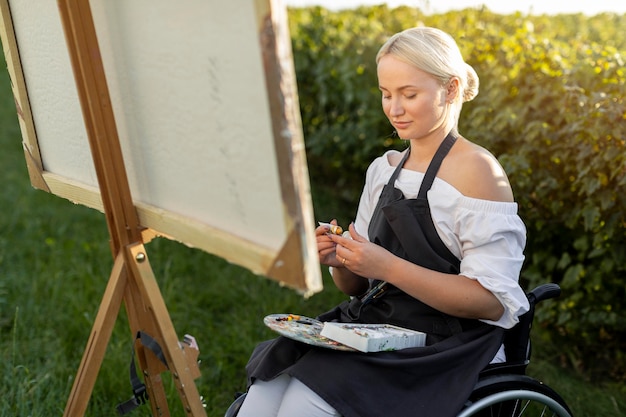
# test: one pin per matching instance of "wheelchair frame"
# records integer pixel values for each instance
(504, 389)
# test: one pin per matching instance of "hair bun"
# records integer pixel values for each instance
(471, 88)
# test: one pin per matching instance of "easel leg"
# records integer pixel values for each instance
(140, 319)
(98, 340)
(154, 383)
(165, 334)
(146, 312)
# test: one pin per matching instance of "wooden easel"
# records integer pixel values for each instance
(132, 279)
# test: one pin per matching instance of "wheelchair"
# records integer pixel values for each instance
(504, 389)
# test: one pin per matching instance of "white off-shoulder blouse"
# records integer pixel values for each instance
(487, 236)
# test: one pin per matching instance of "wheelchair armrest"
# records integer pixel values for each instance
(544, 292)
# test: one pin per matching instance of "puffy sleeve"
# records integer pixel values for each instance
(492, 238)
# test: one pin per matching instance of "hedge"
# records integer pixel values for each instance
(551, 108)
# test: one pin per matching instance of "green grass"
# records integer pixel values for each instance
(54, 265)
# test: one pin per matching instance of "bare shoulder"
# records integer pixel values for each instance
(476, 172)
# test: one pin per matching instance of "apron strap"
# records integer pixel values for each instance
(396, 172)
(435, 163)
(433, 167)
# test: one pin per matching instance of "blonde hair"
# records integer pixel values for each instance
(435, 52)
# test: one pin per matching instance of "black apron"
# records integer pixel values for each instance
(405, 228)
(430, 381)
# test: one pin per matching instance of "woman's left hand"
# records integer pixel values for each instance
(362, 257)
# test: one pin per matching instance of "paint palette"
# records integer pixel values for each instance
(303, 329)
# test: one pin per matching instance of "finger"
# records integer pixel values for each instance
(354, 234)
(349, 241)
(325, 239)
(326, 246)
(321, 230)
(345, 243)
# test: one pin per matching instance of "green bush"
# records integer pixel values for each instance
(551, 108)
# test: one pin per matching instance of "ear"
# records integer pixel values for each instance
(453, 90)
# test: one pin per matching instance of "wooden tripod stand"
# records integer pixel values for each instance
(132, 280)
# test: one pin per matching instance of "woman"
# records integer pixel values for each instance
(438, 228)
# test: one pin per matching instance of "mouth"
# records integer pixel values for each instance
(401, 125)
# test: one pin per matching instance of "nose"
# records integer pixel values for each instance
(396, 108)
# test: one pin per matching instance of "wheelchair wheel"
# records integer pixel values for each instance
(233, 410)
(514, 396)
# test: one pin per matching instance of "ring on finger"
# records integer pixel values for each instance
(343, 262)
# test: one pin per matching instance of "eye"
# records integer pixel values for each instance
(410, 96)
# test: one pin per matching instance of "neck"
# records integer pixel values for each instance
(423, 149)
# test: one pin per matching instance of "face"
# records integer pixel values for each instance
(413, 100)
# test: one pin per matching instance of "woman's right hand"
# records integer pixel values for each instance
(326, 247)
(345, 280)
